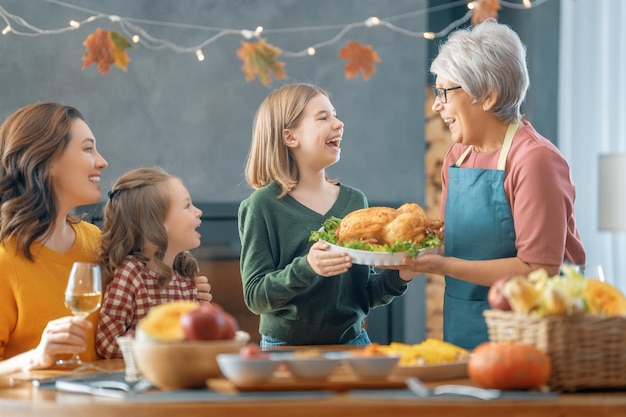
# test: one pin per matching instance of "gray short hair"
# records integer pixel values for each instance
(488, 57)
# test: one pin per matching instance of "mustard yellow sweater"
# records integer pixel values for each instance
(32, 293)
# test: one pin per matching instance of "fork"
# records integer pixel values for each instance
(421, 390)
(115, 389)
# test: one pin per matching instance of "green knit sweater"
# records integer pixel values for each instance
(296, 305)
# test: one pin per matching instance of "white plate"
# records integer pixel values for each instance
(436, 372)
(365, 257)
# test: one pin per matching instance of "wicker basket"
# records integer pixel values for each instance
(587, 352)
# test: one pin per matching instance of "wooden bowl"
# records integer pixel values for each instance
(185, 364)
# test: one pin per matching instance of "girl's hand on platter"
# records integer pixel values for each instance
(325, 263)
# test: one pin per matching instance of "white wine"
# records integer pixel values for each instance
(83, 296)
(83, 304)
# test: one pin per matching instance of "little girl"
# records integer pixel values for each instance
(149, 225)
(305, 294)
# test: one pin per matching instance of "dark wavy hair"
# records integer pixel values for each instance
(135, 214)
(30, 140)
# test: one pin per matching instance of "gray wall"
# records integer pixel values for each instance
(539, 30)
(194, 118)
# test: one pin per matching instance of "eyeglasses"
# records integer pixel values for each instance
(442, 93)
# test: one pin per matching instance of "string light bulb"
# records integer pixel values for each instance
(471, 5)
(429, 35)
(257, 31)
(248, 34)
(372, 21)
(135, 38)
(74, 24)
(310, 50)
(200, 55)
(6, 30)
(527, 3)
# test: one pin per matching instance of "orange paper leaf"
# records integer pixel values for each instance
(360, 58)
(484, 10)
(259, 59)
(105, 48)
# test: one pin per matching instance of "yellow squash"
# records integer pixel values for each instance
(603, 298)
(162, 323)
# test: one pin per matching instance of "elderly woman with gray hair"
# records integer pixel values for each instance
(508, 197)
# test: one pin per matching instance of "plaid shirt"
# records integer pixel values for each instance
(128, 298)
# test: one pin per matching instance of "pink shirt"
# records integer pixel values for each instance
(128, 298)
(541, 194)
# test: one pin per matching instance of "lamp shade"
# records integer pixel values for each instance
(612, 192)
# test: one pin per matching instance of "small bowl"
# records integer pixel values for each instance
(185, 364)
(371, 366)
(310, 367)
(246, 371)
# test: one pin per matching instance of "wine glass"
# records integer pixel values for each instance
(594, 271)
(588, 271)
(83, 296)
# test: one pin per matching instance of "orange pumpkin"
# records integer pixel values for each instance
(509, 366)
(603, 298)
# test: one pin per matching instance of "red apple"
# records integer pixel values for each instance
(252, 351)
(208, 322)
(230, 323)
(496, 297)
(230, 326)
(204, 323)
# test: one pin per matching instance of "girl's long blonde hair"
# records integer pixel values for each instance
(269, 159)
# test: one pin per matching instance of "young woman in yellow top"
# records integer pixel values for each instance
(49, 166)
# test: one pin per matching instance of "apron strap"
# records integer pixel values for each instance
(506, 145)
(504, 152)
(463, 156)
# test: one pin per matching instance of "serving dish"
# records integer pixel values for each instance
(309, 367)
(434, 372)
(246, 371)
(364, 257)
(366, 367)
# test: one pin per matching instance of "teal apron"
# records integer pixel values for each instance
(478, 226)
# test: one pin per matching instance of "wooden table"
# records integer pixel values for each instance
(20, 399)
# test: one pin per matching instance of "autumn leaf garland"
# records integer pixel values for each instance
(260, 59)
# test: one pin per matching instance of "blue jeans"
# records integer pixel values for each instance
(269, 342)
